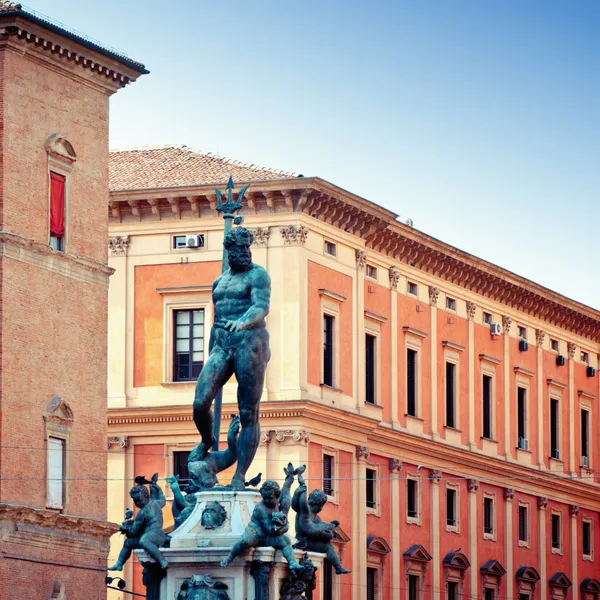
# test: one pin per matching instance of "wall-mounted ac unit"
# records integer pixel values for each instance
(523, 346)
(523, 443)
(192, 241)
(590, 372)
(560, 361)
(495, 328)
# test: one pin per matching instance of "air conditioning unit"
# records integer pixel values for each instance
(523, 443)
(560, 361)
(585, 462)
(192, 241)
(495, 328)
(590, 372)
(555, 454)
(523, 346)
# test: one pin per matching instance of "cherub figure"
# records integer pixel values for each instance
(203, 467)
(268, 524)
(182, 506)
(313, 534)
(146, 530)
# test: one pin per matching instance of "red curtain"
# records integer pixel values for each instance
(57, 205)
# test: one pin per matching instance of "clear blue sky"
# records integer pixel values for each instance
(478, 119)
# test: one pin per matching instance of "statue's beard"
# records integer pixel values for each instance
(240, 261)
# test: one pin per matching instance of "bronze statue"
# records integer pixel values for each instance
(239, 345)
(268, 524)
(300, 583)
(213, 516)
(202, 587)
(182, 506)
(313, 534)
(146, 530)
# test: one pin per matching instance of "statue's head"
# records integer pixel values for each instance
(237, 242)
(213, 515)
(316, 501)
(270, 492)
(203, 476)
(140, 495)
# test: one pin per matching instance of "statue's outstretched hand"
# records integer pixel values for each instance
(234, 326)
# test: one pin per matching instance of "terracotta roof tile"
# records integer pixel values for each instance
(177, 166)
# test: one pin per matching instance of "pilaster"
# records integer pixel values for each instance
(542, 504)
(572, 349)
(574, 513)
(358, 352)
(359, 522)
(509, 495)
(395, 469)
(434, 293)
(435, 477)
(473, 487)
(506, 323)
(539, 337)
(471, 308)
(394, 278)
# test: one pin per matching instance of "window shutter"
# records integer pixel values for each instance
(57, 205)
(56, 458)
(370, 584)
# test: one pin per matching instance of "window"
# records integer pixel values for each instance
(489, 594)
(488, 515)
(554, 431)
(327, 580)
(585, 357)
(524, 597)
(586, 538)
(450, 303)
(413, 587)
(556, 531)
(413, 288)
(371, 272)
(371, 481)
(487, 318)
(189, 344)
(554, 345)
(452, 590)
(523, 443)
(328, 324)
(450, 394)
(585, 433)
(328, 474)
(487, 407)
(371, 578)
(412, 500)
(57, 211)
(330, 248)
(522, 332)
(411, 382)
(451, 519)
(523, 523)
(56, 473)
(180, 466)
(370, 372)
(180, 241)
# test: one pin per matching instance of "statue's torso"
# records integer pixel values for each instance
(232, 294)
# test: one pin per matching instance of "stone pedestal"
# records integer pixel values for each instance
(197, 549)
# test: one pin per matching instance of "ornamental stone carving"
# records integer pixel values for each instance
(121, 442)
(118, 245)
(472, 485)
(539, 336)
(572, 347)
(213, 515)
(395, 465)
(58, 412)
(362, 452)
(295, 435)
(294, 234)
(434, 294)
(506, 323)
(361, 259)
(574, 510)
(509, 493)
(394, 278)
(261, 236)
(435, 475)
(471, 308)
(542, 503)
(265, 437)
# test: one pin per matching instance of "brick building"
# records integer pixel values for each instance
(54, 93)
(448, 407)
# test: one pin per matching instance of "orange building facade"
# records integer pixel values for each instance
(448, 407)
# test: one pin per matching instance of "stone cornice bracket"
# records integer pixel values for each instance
(121, 442)
(261, 236)
(287, 196)
(509, 493)
(266, 437)
(471, 308)
(574, 510)
(539, 336)
(506, 323)
(542, 503)
(394, 278)
(434, 294)
(435, 475)
(118, 245)
(572, 347)
(174, 202)
(395, 465)
(298, 436)
(472, 485)
(362, 452)
(294, 235)
(361, 259)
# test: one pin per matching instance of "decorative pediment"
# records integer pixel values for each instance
(340, 536)
(560, 579)
(590, 586)
(58, 411)
(378, 544)
(417, 553)
(493, 567)
(456, 560)
(57, 145)
(528, 574)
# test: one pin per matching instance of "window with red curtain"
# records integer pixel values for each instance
(57, 205)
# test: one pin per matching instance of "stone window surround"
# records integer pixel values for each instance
(561, 545)
(334, 453)
(524, 543)
(522, 380)
(412, 341)
(417, 519)
(588, 557)
(454, 485)
(493, 534)
(373, 327)
(376, 489)
(489, 368)
(331, 306)
(452, 356)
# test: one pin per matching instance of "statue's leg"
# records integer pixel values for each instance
(334, 559)
(124, 556)
(288, 553)
(152, 549)
(249, 540)
(212, 378)
(251, 358)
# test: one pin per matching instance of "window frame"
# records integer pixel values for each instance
(557, 433)
(485, 373)
(371, 272)
(334, 455)
(55, 434)
(416, 480)
(451, 303)
(455, 489)
(203, 246)
(373, 510)
(61, 163)
(409, 288)
(327, 317)
(554, 345)
(556, 517)
(587, 410)
(489, 535)
(484, 317)
(455, 386)
(372, 381)
(590, 555)
(521, 385)
(376, 571)
(191, 339)
(526, 543)
(522, 332)
(415, 384)
(328, 243)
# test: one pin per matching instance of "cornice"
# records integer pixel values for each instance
(587, 395)
(556, 383)
(453, 346)
(331, 295)
(375, 317)
(524, 371)
(490, 359)
(413, 331)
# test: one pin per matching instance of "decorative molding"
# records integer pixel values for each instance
(586, 395)
(524, 371)
(394, 278)
(574, 510)
(413, 331)
(572, 348)
(471, 309)
(472, 485)
(509, 493)
(435, 475)
(361, 259)
(332, 295)
(261, 236)
(58, 411)
(555, 383)
(490, 359)
(540, 335)
(542, 503)
(120, 441)
(295, 435)
(453, 346)
(506, 323)
(185, 289)
(362, 452)
(294, 234)
(266, 437)
(375, 316)
(434, 294)
(395, 465)
(59, 147)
